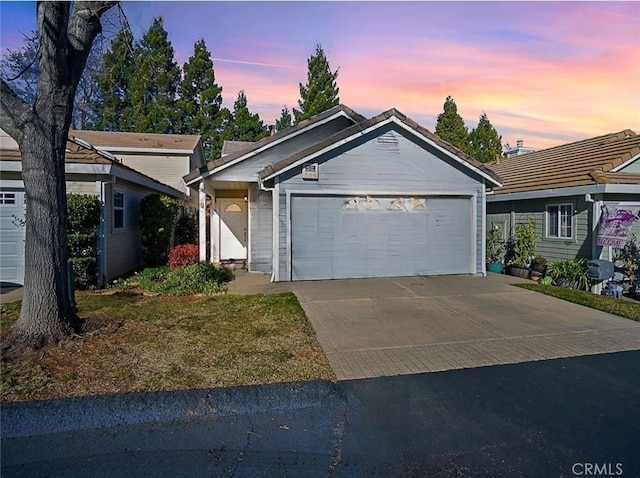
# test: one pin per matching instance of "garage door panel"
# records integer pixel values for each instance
(12, 235)
(329, 241)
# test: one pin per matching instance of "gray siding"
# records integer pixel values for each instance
(261, 230)
(388, 163)
(511, 213)
(248, 169)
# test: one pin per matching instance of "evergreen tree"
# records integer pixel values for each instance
(285, 120)
(114, 81)
(243, 125)
(154, 83)
(200, 100)
(321, 91)
(486, 144)
(450, 126)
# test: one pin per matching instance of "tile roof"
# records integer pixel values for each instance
(271, 139)
(105, 139)
(280, 165)
(581, 163)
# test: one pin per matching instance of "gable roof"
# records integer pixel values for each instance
(270, 141)
(582, 163)
(231, 147)
(120, 141)
(81, 158)
(392, 115)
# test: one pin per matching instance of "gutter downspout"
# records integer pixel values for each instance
(102, 233)
(274, 230)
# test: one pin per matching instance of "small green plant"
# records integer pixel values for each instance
(540, 260)
(495, 248)
(570, 273)
(523, 244)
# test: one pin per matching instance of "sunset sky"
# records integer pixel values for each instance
(545, 72)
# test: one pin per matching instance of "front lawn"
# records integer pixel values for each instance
(134, 343)
(624, 308)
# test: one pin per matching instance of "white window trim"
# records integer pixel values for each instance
(115, 191)
(548, 221)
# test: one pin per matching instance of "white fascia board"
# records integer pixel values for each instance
(123, 149)
(268, 146)
(625, 164)
(69, 168)
(468, 193)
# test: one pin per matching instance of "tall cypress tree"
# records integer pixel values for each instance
(200, 100)
(115, 92)
(450, 126)
(244, 125)
(321, 91)
(486, 143)
(154, 84)
(285, 120)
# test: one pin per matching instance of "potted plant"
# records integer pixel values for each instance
(522, 249)
(495, 252)
(569, 273)
(538, 267)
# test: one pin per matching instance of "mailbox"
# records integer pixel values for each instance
(599, 270)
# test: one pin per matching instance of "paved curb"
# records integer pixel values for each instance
(53, 416)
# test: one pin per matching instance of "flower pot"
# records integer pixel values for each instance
(496, 267)
(517, 271)
(539, 267)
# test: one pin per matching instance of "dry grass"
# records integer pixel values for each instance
(133, 343)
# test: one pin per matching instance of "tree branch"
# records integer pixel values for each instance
(13, 111)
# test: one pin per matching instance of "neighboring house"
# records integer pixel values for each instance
(164, 157)
(342, 196)
(519, 150)
(565, 189)
(88, 171)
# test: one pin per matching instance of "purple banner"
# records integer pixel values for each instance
(615, 224)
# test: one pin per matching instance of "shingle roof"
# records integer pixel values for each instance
(280, 165)
(581, 163)
(232, 147)
(104, 139)
(276, 137)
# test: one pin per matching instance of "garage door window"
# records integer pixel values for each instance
(7, 198)
(118, 209)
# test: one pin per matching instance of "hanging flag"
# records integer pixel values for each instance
(615, 224)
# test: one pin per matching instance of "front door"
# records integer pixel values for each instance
(233, 228)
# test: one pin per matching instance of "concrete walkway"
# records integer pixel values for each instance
(405, 325)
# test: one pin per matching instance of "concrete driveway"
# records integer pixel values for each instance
(406, 325)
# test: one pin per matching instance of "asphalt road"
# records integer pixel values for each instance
(555, 418)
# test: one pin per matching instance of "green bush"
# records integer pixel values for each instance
(570, 273)
(522, 246)
(200, 278)
(85, 271)
(83, 219)
(157, 214)
(186, 231)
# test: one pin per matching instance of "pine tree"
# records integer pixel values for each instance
(285, 120)
(154, 84)
(200, 100)
(486, 144)
(114, 82)
(321, 91)
(243, 125)
(450, 126)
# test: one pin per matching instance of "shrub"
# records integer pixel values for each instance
(83, 218)
(157, 214)
(495, 247)
(523, 244)
(183, 255)
(186, 231)
(569, 273)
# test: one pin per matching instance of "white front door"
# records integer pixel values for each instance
(233, 228)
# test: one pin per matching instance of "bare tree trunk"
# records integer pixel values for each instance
(41, 130)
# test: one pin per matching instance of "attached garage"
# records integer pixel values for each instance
(337, 237)
(12, 211)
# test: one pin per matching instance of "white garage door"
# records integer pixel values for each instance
(12, 233)
(335, 237)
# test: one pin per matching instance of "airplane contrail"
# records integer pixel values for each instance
(255, 63)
